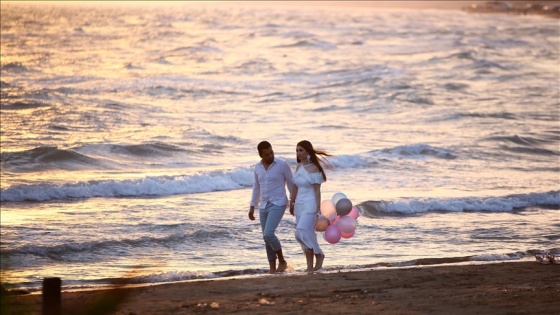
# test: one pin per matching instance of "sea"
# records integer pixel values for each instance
(129, 135)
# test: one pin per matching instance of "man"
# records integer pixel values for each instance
(271, 175)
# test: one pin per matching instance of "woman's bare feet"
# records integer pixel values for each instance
(309, 260)
(319, 263)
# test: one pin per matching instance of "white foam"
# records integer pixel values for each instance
(493, 204)
(148, 186)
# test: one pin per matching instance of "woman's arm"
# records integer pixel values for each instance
(317, 189)
(293, 201)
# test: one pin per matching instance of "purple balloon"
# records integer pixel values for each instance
(332, 234)
(346, 224)
(343, 207)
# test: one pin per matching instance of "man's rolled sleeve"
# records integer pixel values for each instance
(256, 191)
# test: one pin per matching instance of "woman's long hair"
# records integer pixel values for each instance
(313, 154)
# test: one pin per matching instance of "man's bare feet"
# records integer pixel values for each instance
(282, 266)
(272, 266)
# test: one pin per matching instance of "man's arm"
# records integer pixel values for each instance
(255, 196)
(288, 178)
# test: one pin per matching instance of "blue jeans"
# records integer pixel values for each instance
(270, 218)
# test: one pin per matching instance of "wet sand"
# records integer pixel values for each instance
(497, 288)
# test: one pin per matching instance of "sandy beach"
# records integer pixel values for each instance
(498, 288)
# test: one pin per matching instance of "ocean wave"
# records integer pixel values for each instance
(463, 259)
(502, 115)
(456, 86)
(411, 97)
(22, 105)
(528, 141)
(310, 44)
(72, 251)
(529, 144)
(419, 150)
(412, 206)
(219, 180)
(148, 186)
(116, 156)
(532, 151)
(202, 47)
(149, 149)
(16, 67)
(256, 66)
(89, 156)
(484, 64)
(42, 158)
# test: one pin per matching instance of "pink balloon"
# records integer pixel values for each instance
(347, 235)
(335, 220)
(332, 234)
(354, 213)
(343, 207)
(328, 209)
(346, 224)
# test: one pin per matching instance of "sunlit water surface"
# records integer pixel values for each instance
(129, 136)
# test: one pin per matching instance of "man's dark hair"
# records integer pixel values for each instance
(263, 146)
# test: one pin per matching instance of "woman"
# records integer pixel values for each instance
(305, 202)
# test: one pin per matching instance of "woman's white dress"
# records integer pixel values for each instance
(305, 208)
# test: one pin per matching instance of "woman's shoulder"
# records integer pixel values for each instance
(312, 168)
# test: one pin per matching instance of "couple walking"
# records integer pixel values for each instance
(271, 177)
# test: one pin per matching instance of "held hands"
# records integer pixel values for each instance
(291, 208)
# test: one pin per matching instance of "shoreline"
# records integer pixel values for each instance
(520, 287)
(124, 282)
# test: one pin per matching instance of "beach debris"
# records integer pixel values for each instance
(542, 259)
(214, 305)
(547, 258)
(264, 301)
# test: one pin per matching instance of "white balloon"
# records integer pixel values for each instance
(336, 197)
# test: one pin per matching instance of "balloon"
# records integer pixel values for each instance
(322, 223)
(335, 220)
(346, 224)
(332, 234)
(336, 197)
(354, 213)
(343, 206)
(328, 209)
(347, 235)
